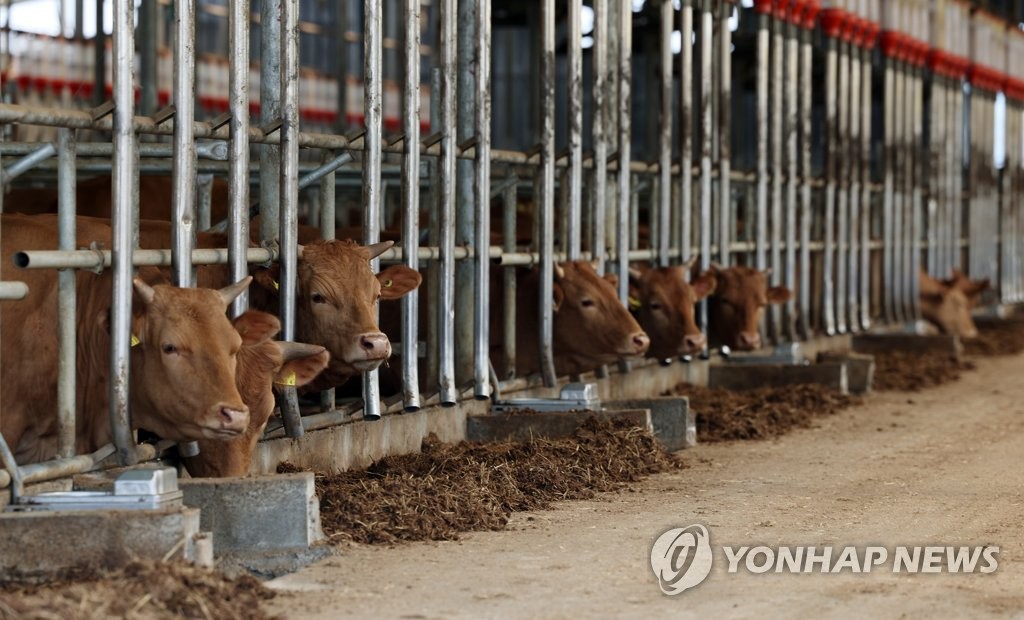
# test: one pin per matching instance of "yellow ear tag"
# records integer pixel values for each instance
(288, 380)
(634, 303)
(388, 283)
(135, 340)
(277, 286)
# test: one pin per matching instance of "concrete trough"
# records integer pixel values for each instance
(874, 344)
(860, 368)
(675, 424)
(524, 425)
(752, 376)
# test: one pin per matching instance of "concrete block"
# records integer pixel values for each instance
(874, 344)
(860, 368)
(675, 424)
(550, 424)
(257, 515)
(751, 376)
(45, 544)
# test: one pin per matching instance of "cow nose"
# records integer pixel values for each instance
(375, 345)
(694, 342)
(641, 342)
(749, 341)
(233, 417)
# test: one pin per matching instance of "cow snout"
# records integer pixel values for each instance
(233, 419)
(694, 342)
(375, 346)
(640, 343)
(748, 341)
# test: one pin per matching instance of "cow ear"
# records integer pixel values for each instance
(302, 366)
(612, 279)
(267, 277)
(397, 280)
(558, 296)
(779, 294)
(254, 326)
(705, 284)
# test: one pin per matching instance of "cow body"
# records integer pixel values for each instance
(182, 369)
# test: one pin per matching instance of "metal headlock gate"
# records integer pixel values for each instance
(843, 146)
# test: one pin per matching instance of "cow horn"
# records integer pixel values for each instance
(693, 261)
(298, 350)
(559, 271)
(716, 266)
(144, 290)
(229, 293)
(379, 248)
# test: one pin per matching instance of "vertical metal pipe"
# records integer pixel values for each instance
(916, 221)
(446, 294)
(934, 180)
(954, 128)
(842, 181)
(124, 171)
(599, 138)
(625, 126)
(148, 25)
(865, 198)
(183, 168)
(483, 192)
(67, 300)
(777, 221)
(706, 144)
(959, 147)
(791, 131)
(665, 142)
(270, 112)
(852, 150)
(806, 205)
(762, 129)
(724, 134)
(465, 203)
(411, 203)
(99, 70)
(888, 190)
(508, 228)
(832, 168)
(899, 174)
(238, 160)
(909, 162)
(374, 120)
(289, 193)
(327, 231)
(575, 76)
(685, 127)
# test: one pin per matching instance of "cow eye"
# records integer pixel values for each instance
(587, 303)
(654, 305)
(318, 298)
(169, 349)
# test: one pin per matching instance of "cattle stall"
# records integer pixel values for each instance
(844, 145)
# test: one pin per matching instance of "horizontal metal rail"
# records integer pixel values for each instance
(96, 259)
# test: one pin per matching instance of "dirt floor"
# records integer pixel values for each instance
(937, 467)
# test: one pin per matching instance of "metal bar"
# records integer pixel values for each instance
(465, 201)
(121, 223)
(831, 171)
(96, 259)
(328, 222)
(270, 112)
(935, 193)
(545, 244)
(183, 171)
(508, 228)
(28, 162)
(482, 185)
(17, 481)
(665, 141)
(888, 197)
(330, 166)
(791, 133)
(67, 299)
(205, 150)
(852, 149)
(447, 183)
(842, 180)
(374, 121)
(204, 200)
(575, 113)
(917, 195)
(625, 48)
(806, 205)
(763, 131)
(148, 25)
(706, 145)
(866, 191)
(685, 127)
(599, 243)
(774, 313)
(99, 69)
(725, 220)
(238, 174)
(411, 202)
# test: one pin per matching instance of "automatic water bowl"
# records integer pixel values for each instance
(144, 488)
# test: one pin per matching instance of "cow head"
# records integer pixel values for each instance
(972, 289)
(947, 307)
(183, 362)
(336, 301)
(591, 326)
(738, 304)
(663, 302)
(262, 363)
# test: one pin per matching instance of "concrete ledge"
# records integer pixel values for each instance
(675, 424)
(549, 424)
(860, 369)
(874, 344)
(44, 544)
(257, 515)
(751, 376)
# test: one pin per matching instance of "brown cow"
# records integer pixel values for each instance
(182, 380)
(972, 289)
(591, 328)
(262, 362)
(735, 308)
(945, 305)
(664, 301)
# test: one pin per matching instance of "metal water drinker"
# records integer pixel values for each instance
(150, 488)
(574, 396)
